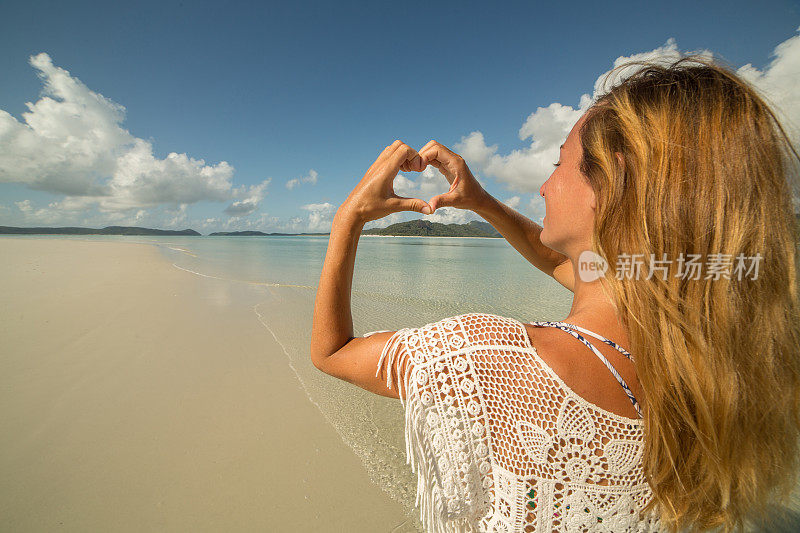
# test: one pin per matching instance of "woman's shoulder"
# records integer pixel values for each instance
(472, 329)
(584, 374)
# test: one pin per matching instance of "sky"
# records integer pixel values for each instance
(264, 116)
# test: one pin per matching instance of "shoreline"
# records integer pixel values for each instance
(138, 395)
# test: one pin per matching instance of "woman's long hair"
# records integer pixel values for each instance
(689, 163)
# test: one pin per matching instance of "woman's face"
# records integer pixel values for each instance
(569, 201)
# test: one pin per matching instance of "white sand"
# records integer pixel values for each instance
(136, 397)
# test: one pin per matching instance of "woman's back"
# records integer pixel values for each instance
(501, 442)
(585, 373)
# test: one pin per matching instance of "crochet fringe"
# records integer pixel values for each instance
(433, 508)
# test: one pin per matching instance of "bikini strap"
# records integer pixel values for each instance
(573, 330)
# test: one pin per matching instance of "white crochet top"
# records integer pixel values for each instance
(501, 443)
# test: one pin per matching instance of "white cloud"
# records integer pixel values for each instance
(178, 216)
(663, 55)
(256, 193)
(24, 206)
(388, 220)
(778, 82)
(430, 183)
(513, 202)
(26, 213)
(40, 216)
(524, 170)
(264, 222)
(71, 141)
(451, 215)
(319, 218)
(536, 209)
(310, 178)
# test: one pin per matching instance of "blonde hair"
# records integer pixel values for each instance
(687, 158)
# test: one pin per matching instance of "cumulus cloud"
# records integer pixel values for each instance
(536, 209)
(778, 82)
(24, 206)
(255, 194)
(67, 213)
(178, 215)
(451, 215)
(263, 222)
(524, 170)
(43, 216)
(319, 219)
(425, 185)
(71, 141)
(310, 178)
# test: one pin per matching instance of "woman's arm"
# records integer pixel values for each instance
(372, 198)
(334, 350)
(466, 193)
(523, 234)
(333, 320)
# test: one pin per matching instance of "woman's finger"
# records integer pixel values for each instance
(439, 151)
(441, 157)
(404, 154)
(442, 200)
(412, 166)
(384, 154)
(401, 203)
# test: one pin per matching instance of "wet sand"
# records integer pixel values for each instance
(137, 396)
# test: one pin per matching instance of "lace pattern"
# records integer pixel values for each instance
(500, 443)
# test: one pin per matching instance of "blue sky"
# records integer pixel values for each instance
(250, 96)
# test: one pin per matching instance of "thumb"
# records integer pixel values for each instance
(441, 200)
(414, 204)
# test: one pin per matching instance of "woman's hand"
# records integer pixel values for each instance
(465, 191)
(374, 196)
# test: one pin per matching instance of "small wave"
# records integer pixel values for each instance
(187, 252)
(289, 359)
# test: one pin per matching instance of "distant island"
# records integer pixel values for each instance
(412, 228)
(108, 230)
(251, 233)
(418, 228)
(425, 228)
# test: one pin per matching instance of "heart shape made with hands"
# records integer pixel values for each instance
(445, 161)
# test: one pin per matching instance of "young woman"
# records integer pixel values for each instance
(669, 397)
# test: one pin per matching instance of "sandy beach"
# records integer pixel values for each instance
(136, 396)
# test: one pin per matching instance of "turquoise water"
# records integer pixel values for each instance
(460, 273)
(398, 282)
(478, 273)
